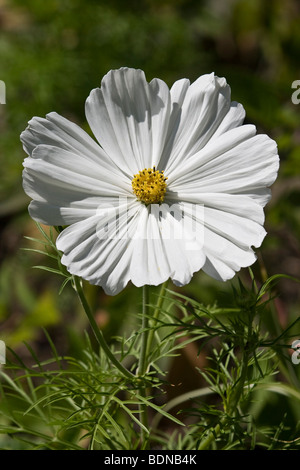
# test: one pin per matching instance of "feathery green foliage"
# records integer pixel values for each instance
(85, 402)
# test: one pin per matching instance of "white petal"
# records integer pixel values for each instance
(65, 186)
(68, 167)
(223, 257)
(66, 213)
(249, 165)
(177, 244)
(241, 205)
(227, 232)
(211, 154)
(162, 249)
(57, 131)
(98, 250)
(129, 118)
(240, 230)
(149, 265)
(234, 118)
(201, 109)
(141, 247)
(178, 93)
(217, 269)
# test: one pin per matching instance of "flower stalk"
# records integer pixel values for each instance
(97, 332)
(155, 316)
(143, 365)
(142, 369)
(146, 343)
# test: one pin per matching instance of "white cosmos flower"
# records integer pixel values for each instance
(191, 132)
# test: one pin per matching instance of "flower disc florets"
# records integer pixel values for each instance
(149, 186)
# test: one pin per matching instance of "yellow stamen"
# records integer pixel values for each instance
(149, 186)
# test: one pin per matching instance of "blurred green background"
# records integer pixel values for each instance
(53, 53)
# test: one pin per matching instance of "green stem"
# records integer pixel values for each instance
(146, 343)
(155, 316)
(142, 368)
(145, 332)
(98, 333)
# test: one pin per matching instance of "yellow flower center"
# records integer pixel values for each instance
(149, 186)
